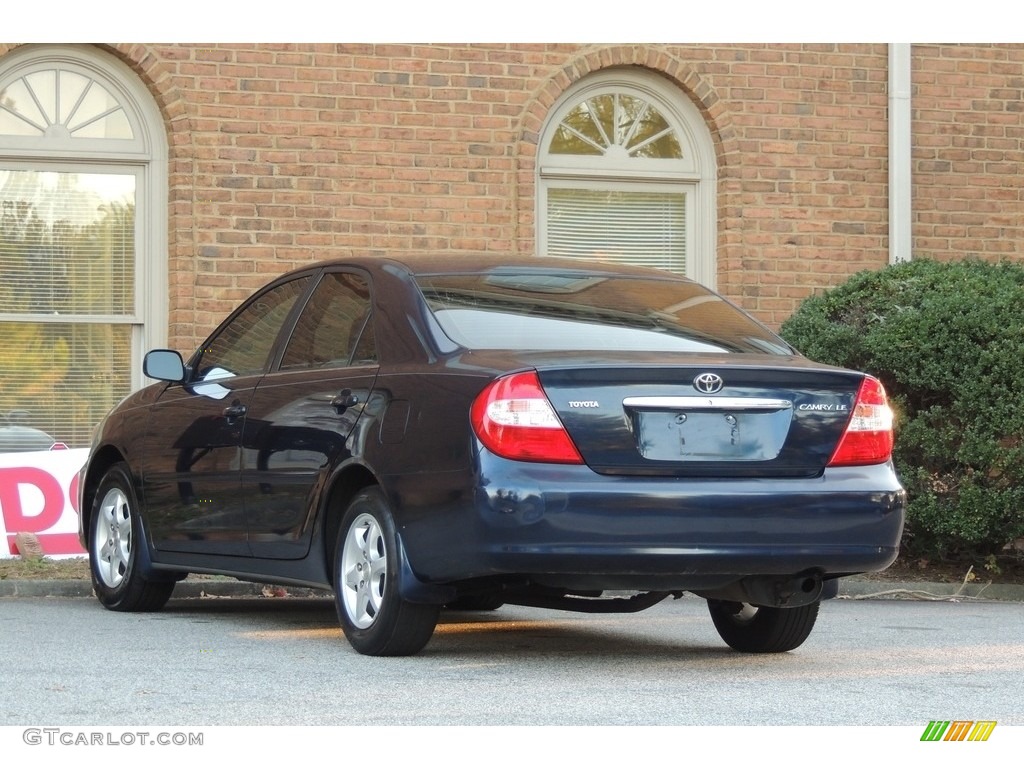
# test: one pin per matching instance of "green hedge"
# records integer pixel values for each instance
(947, 340)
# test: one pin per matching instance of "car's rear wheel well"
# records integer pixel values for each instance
(345, 487)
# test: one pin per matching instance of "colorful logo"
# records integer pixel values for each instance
(958, 730)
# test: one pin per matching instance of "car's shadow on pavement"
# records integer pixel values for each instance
(524, 632)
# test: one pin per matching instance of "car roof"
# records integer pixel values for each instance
(453, 263)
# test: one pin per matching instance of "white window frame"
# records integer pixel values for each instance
(695, 174)
(145, 155)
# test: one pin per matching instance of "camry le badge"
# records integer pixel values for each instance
(708, 383)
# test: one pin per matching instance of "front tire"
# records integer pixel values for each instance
(757, 629)
(115, 539)
(374, 617)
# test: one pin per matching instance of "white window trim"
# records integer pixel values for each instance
(696, 174)
(146, 156)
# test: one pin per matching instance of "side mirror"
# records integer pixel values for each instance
(164, 365)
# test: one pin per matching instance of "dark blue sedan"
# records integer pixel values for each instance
(415, 433)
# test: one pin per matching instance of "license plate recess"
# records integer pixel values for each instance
(702, 432)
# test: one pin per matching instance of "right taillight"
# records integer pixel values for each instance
(868, 438)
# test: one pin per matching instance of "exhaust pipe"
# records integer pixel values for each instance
(771, 591)
(783, 592)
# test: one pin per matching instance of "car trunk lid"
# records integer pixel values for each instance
(703, 420)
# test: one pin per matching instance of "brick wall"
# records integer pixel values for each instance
(805, 190)
(968, 129)
(285, 154)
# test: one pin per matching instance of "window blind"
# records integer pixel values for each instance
(640, 228)
(67, 298)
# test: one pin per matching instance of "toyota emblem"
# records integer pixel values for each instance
(708, 383)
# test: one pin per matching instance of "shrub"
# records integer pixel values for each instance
(947, 340)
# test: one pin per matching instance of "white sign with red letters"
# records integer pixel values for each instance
(39, 495)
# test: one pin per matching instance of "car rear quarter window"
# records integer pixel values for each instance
(552, 311)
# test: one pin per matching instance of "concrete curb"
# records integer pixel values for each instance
(852, 588)
(855, 588)
(182, 590)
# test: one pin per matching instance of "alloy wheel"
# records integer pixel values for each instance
(112, 539)
(364, 568)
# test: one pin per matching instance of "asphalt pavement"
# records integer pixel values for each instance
(852, 588)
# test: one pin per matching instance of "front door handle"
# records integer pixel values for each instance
(344, 400)
(234, 411)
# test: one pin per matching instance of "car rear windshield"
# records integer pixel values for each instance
(547, 310)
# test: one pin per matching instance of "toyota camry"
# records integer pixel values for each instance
(421, 433)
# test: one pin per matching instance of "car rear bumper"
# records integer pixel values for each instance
(568, 526)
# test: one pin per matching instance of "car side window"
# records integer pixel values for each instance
(243, 346)
(335, 328)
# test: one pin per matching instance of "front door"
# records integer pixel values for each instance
(191, 462)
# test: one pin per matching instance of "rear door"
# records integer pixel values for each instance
(303, 416)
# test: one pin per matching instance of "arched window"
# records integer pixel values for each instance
(83, 262)
(627, 172)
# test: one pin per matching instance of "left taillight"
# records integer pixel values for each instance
(869, 434)
(514, 419)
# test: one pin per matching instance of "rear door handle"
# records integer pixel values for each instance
(344, 400)
(234, 411)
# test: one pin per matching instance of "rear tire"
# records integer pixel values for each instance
(115, 541)
(374, 617)
(757, 629)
